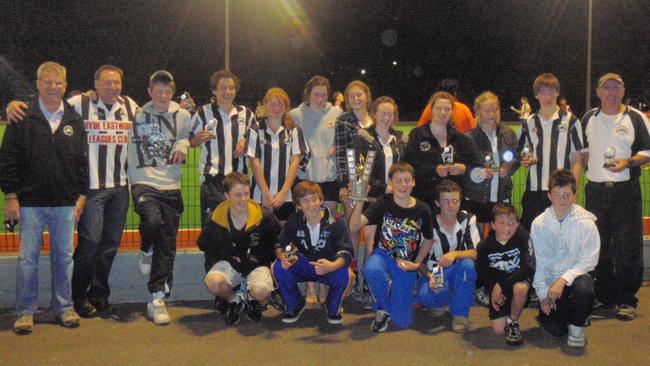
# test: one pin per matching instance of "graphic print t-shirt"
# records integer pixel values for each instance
(399, 230)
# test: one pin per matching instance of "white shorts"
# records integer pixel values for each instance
(260, 278)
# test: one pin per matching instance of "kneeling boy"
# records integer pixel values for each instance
(237, 242)
(323, 254)
(567, 245)
(506, 263)
(455, 235)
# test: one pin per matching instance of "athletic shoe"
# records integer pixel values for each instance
(436, 312)
(68, 318)
(293, 316)
(144, 262)
(459, 324)
(513, 333)
(576, 337)
(254, 310)
(604, 311)
(380, 323)
(231, 317)
(85, 309)
(275, 299)
(626, 312)
(482, 297)
(335, 319)
(220, 305)
(157, 312)
(100, 303)
(24, 324)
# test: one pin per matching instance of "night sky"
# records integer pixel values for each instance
(486, 45)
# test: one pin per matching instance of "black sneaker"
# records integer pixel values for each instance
(231, 317)
(100, 303)
(604, 311)
(275, 299)
(293, 316)
(380, 323)
(85, 309)
(220, 305)
(254, 310)
(335, 319)
(626, 312)
(513, 333)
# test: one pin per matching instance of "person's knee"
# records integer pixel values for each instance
(259, 293)
(520, 290)
(216, 284)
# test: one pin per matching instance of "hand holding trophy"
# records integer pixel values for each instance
(359, 175)
(528, 155)
(291, 253)
(478, 174)
(610, 157)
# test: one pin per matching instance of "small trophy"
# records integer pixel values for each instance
(610, 157)
(527, 153)
(359, 174)
(489, 162)
(212, 127)
(291, 253)
(188, 103)
(438, 277)
(448, 155)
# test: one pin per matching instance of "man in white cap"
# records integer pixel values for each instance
(616, 144)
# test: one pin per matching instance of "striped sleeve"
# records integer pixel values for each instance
(576, 134)
(253, 150)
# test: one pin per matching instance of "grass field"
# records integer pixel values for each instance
(190, 189)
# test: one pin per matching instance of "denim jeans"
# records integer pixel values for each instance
(60, 223)
(396, 299)
(458, 292)
(302, 271)
(100, 230)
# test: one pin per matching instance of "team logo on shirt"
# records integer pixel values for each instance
(68, 131)
(563, 126)
(331, 123)
(425, 146)
(621, 130)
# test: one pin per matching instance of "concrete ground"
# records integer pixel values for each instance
(196, 337)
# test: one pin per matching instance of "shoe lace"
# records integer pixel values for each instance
(380, 315)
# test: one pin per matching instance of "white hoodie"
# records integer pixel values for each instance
(564, 249)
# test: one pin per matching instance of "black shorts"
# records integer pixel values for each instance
(283, 212)
(482, 211)
(505, 308)
(330, 189)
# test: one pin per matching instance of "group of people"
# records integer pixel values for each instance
(434, 222)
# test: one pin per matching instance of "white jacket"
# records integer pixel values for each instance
(567, 249)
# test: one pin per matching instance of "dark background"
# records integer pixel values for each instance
(486, 45)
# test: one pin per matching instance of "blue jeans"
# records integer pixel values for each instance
(458, 292)
(100, 230)
(60, 224)
(302, 271)
(396, 299)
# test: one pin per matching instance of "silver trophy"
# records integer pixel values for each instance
(291, 252)
(528, 153)
(438, 277)
(477, 175)
(448, 155)
(187, 102)
(490, 163)
(359, 174)
(610, 157)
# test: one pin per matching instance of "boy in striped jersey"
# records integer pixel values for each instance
(220, 128)
(107, 119)
(549, 140)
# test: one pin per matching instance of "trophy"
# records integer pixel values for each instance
(153, 144)
(448, 155)
(527, 153)
(610, 157)
(478, 174)
(438, 277)
(359, 174)
(188, 103)
(290, 252)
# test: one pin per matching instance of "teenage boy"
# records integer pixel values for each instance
(323, 254)
(403, 238)
(566, 244)
(506, 262)
(44, 165)
(158, 143)
(238, 243)
(552, 137)
(220, 128)
(455, 237)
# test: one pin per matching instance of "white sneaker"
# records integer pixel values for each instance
(157, 311)
(576, 337)
(144, 262)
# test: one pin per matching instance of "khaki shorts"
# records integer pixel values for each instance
(260, 278)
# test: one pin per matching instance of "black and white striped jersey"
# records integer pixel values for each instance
(227, 129)
(108, 136)
(274, 150)
(552, 143)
